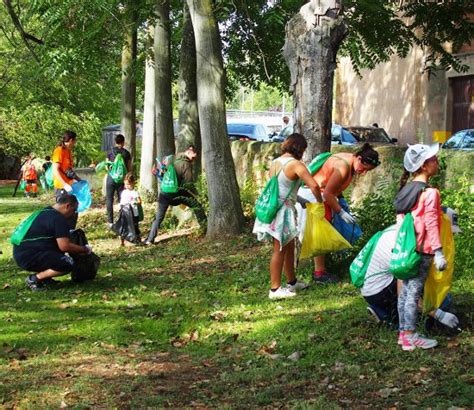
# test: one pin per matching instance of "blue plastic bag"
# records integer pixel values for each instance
(350, 232)
(82, 192)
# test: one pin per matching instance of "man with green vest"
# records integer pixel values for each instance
(185, 193)
(43, 247)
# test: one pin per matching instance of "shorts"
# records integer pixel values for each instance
(41, 261)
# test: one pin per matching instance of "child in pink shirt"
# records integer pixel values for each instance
(423, 202)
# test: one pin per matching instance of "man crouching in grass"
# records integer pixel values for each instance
(43, 248)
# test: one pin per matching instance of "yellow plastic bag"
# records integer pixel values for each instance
(320, 237)
(438, 284)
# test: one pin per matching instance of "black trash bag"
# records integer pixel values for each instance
(125, 225)
(85, 266)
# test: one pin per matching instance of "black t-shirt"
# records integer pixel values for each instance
(48, 225)
(116, 150)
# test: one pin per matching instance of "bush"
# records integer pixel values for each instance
(38, 128)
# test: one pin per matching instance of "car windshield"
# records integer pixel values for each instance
(370, 134)
(246, 129)
(454, 141)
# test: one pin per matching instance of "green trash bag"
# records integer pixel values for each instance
(169, 184)
(267, 204)
(22, 185)
(317, 162)
(48, 176)
(405, 259)
(23, 227)
(118, 170)
(103, 166)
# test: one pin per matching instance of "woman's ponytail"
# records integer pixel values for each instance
(404, 178)
(67, 136)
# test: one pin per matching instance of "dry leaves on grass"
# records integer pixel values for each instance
(185, 339)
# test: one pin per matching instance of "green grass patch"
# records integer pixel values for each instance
(188, 323)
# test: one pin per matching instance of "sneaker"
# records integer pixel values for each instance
(299, 285)
(49, 282)
(110, 225)
(374, 314)
(34, 284)
(148, 243)
(401, 336)
(281, 293)
(414, 340)
(325, 278)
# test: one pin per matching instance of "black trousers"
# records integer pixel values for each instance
(385, 303)
(181, 197)
(111, 188)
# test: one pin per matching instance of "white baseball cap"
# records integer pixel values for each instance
(453, 216)
(417, 154)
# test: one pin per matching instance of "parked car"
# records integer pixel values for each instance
(371, 134)
(248, 132)
(461, 140)
(341, 136)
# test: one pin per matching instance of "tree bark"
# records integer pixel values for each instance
(225, 210)
(129, 87)
(189, 132)
(163, 97)
(313, 37)
(147, 180)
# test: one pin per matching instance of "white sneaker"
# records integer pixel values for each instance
(281, 293)
(299, 285)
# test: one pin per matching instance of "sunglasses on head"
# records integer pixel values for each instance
(371, 161)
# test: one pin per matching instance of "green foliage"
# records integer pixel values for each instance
(248, 197)
(461, 200)
(38, 128)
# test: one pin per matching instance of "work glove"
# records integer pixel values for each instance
(88, 248)
(446, 318)
(67, 188)
(346, 217)
(440, 261)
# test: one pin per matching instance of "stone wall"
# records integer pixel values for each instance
(252, 161)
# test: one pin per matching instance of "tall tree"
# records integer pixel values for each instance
(311, 56)
(148, 154)
(163, 79)
(225, 210)
(187, 88)
(129, 86)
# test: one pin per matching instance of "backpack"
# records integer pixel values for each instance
(405, 259)
(23, 227)
(85, 266)
(48, 176)
(118, 170)
(316, 164)
(162, 166)
(169, 183)
(360, 264)
(267, 204)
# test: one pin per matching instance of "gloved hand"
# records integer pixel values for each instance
(67, 188)
(303, 202)
(88, 248)
(346, 217)
(440, 261)
(446, 318)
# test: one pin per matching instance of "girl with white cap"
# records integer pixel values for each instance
(423, 202)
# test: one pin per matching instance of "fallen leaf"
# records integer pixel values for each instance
(295, 356)
(6, 286)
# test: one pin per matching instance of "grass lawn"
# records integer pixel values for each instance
(188, 323)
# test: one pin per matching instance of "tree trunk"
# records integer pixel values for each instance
(313, 37)
(147, 180)
(129, 87)
(189, 132)
(225, 210)
(163, 97)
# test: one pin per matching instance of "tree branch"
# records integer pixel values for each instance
(26, 37)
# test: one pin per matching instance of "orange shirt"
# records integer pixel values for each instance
(324, 174)
(63, 157)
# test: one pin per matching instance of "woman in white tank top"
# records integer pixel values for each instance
(283, 229)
